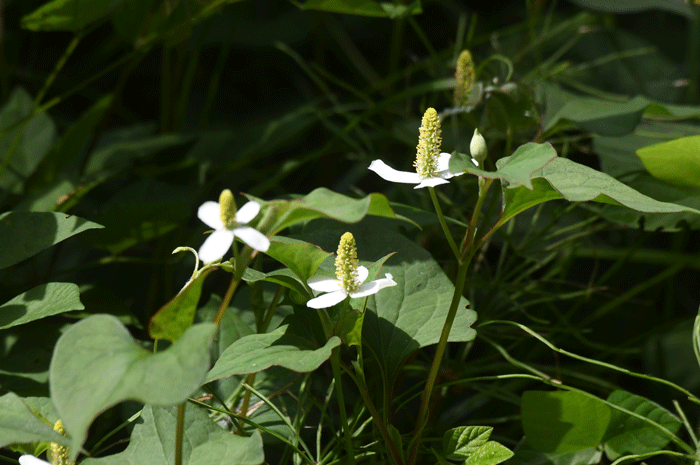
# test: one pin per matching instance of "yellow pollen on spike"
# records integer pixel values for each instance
(228, 208)
(428, 149)
(57, 453)
(346, 263)
(465, 75)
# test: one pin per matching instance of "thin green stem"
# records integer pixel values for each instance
(235, 281)
(179, 432)
(443, 223)
(337, 374)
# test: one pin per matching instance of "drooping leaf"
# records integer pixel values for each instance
(563, 421)
(459, 443)
(176, 316)
(39, 302)
(35, 138)
(282, 347)
(96, 364)
(563, 178)
(400, 319)
(204, 442)
(676, 161)
(27, 233)
(490, 453)
(67, 15)
(18, 425)
(517, 169)
(628, 435)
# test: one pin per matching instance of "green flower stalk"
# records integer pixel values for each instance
(465, 76)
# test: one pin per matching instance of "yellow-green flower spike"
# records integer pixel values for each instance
(478, 148)
(57, 453)
(465, 76)
(429, 141)
(346, 263)
(228, 208)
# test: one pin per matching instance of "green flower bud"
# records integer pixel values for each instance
(346, 263)
(429, 141)
(57, 453)
(477, 147)
(228, 208)
(465, 76)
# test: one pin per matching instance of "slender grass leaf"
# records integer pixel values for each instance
(18, 425)
(25, 234)
(97, 364)
(676, 162)
(628, 435)
(490, 453)
(153, 441)
(40, 302)
(634, 6)
(67, 15)
(18, 162)
(517, 169)
(176, 316)
(363, 7)
(563, 421)
(282, 347)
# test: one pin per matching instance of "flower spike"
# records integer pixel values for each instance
(465, 76)
(350, 278)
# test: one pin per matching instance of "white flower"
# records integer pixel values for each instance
(31, 460)
(335, 292)
(217, 215)
(407, 177)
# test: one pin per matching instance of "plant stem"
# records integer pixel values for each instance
(179, 431)
(443, 223)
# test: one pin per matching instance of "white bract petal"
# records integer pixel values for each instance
(429, 182)
(216, 245)
(251, 236)
(31, 460)
(247, 212)
(362, 273)
(323, 284)
(327, 300)
(210, 213)
(374, 286)
(390, 174)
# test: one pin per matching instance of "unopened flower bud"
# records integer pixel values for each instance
(477, 147)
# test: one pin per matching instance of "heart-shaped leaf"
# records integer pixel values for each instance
(40, 302)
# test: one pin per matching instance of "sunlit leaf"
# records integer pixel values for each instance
(96, 364)
(27, 233)
(459, 443)
(67, 15)
(676, 161)
(563, 421)
(490, 453)
(39, 302)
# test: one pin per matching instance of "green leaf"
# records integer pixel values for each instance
(323, 203)
(696, 337)
(283, 277)
(40, 302)
(176, 316)
(490, 453)
(27, 233)
(67, 15)
(301, 257)
(459, 443)
(676, 161)
(96, 364)
(629, 435)
(349, 327)
(363, 7)
(403, 318)
(526, 456)
(602, 117)
(34, 143)
(204, 442)
(282, 347)
(517, 169)
(565, 179)
(18, 425)
(563, 421)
